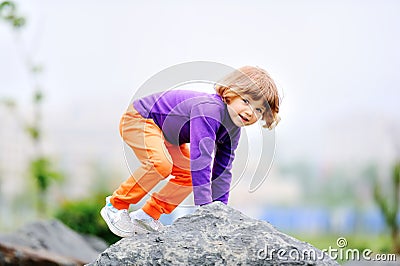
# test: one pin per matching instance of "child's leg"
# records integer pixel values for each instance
(147, 141)
(177, 189)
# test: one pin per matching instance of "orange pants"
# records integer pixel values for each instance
(159, 159)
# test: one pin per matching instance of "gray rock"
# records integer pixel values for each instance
(98, 244)
(11, 254)
(215, 234)
(53, 239)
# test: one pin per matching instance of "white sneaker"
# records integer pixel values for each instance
(118, 221)
(146, 222)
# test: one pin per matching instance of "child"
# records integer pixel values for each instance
(191, 136)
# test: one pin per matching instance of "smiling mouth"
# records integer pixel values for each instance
(244, 118)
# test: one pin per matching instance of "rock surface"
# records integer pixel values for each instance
(215, 234)
(48, 243)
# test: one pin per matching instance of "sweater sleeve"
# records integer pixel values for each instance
(204, 123)
(221, 173)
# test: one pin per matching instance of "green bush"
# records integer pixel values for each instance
(83, 216)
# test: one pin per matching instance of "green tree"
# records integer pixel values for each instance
(389, 205)
(83, 216)
(8, 12)
(41, 167)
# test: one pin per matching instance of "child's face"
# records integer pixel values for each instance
(244, 111)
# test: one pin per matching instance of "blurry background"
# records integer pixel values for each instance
(70, 71)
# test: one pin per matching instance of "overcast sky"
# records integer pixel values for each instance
(337, 63)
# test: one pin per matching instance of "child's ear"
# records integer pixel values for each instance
(226, 100)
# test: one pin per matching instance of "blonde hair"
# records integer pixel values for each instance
(256, 83)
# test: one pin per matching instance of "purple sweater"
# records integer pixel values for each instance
(202, 120)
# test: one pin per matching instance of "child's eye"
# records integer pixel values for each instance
(259, 110)
(246, 101)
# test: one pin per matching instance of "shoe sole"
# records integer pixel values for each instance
(145, 226)
(141, 228)
(112, 228)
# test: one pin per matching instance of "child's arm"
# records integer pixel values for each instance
(221, 172)
(204, 123)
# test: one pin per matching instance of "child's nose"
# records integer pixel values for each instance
(249, 111)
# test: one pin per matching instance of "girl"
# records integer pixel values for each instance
(191, 136)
